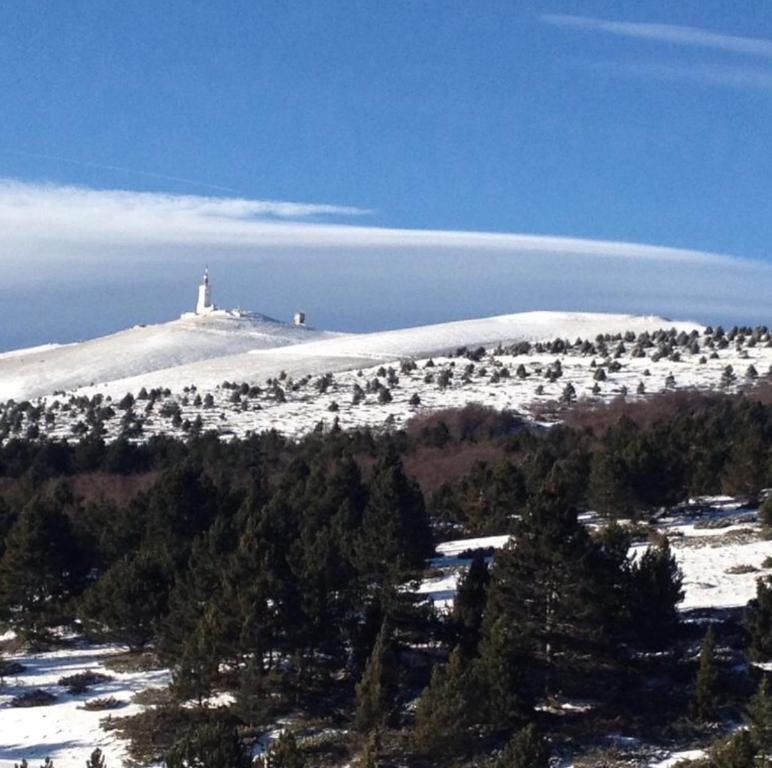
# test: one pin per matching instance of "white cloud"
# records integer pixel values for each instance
(92, 210)
(33, 215)
(667, 33)
(270, 257)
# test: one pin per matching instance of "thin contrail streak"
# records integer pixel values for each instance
(120, 169)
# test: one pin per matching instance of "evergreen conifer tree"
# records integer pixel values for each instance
(211, 745)
(737, 751)
(704, 705)
(200, 583)
(8, 516)
(283, 753)
(469, 604)
(375, 691)
(180, 506)
(504, 670)
(527, 749)
(372, 749)
(253, 701)
(41, 568)
(325, 560)
(197, 672)
(443, 712)
(543, 611)
(611, 567)
(759, 717)
(96, 760)
(765, 516)
(128, 600)
(758, 620)
(396, 530)
(656, 591)
(611, 491)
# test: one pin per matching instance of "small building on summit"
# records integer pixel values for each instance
(206, 308)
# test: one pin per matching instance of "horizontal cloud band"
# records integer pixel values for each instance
(74, 245)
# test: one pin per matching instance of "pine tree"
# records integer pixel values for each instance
(253, 702)
(396, 530)
(737, 751)
(211, 745)
(331, 521)
(443, 712)
(488, 497)
(283, 753)
(527, 749)
(181, 505)
(8, 516)
(197, 672)
(758, 620)
(612, 568)
(656, 591)
(96, 760)
(704, 705)
(375, 691)
(469, 604)
(759, 717)
(765, 516)
(371, 751)
(610, 485)
(129, 599)
(41, 568)
(543, 613)
(200, 583)
(505, 672)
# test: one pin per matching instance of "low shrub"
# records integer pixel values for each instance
(9, 667)
(34, 698)
(101, 704)
(82, 681)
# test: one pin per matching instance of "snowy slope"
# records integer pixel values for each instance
(363, 350)
(25, 374)
(64, 731)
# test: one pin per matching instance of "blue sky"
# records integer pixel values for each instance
(642, 122)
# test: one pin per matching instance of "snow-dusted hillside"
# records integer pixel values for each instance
(205, 350)
(67, 730)
(293, 389)
(26, 374)
(354, 351)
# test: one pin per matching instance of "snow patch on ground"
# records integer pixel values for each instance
(720, 565)
(677, 757)
(63, 731)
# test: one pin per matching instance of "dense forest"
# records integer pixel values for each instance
(281, 572)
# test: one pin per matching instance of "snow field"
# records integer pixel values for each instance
(492, 381)
(63, 730)
(42, 370)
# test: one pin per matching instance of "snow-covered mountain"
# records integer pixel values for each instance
(26, 374)
(205, 350)
(352, 351)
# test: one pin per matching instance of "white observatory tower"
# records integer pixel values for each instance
(204, 304)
